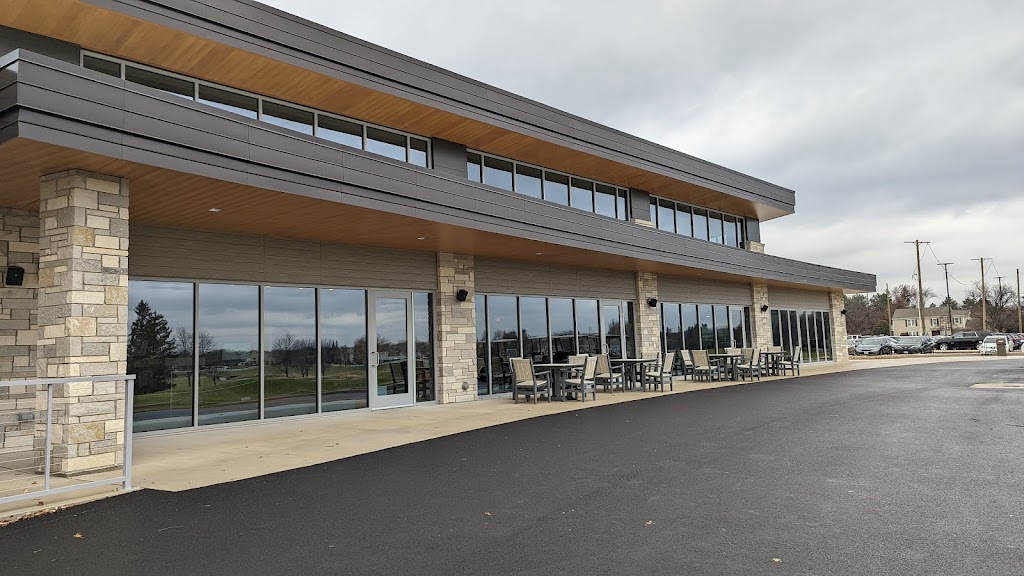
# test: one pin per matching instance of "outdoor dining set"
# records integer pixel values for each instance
(582, 374)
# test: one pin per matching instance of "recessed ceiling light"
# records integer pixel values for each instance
(421, 237)
(537, 253)
(216, 209)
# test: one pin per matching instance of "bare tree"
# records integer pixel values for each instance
(284, 350)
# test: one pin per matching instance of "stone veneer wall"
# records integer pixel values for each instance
(456, 330)
(83, 314)
(836, 305)
(762, 320)
(19, 246)
(648, 324)
(755, 246)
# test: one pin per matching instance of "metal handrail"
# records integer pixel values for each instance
(125, 479)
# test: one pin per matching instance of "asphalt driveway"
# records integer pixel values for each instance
(886, 471)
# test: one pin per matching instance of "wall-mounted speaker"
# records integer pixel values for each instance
(15, 276)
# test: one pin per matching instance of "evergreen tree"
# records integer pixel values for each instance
(150, 344)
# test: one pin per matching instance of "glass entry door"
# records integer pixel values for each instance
(390, 347)
(611, 329)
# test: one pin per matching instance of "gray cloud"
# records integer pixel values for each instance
(892, 120)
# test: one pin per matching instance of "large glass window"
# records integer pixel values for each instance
(722, 332)
(556, 188)
(498, 173)
(528, 181)
(161, 344)
(582, 195)
(230, 101)
(604, 200)
(684, 220)
(289, 117)
(715, 231)
(423, 332)
(777, 336)
(289, 351)
(229, 362)
(588, 327)
(340, 131)
(691, 327)
(700, 224)
(473, 168)
(386, 143)
(672, 324)
(533, 312)
(563, 333)
(418, 152)
(707, 326)
(622, 205)
(102, 65)
(162, 82)
(343, 372)
(731, 231)
(630, 329)
(482, 364)
(806, 335)
(504, 327)
(666, 216)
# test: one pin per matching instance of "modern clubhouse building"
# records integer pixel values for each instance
(261, 218)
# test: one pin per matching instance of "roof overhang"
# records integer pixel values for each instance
(183, 158)
(254, 47)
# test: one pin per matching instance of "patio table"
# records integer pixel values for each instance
(558, 371)
(631, 367)
(771, 361)
(733, 360)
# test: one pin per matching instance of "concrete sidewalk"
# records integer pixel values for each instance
(190, 459)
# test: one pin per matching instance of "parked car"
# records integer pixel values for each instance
(991, 342)
(913, 345)
(961, 341)
(1017, 340)
(875, 345)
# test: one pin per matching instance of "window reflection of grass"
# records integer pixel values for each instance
(235, 385)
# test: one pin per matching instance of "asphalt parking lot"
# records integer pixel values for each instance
(903, 470)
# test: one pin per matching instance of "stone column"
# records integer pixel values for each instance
(762, 320)
(755, 246)
(836, 305)
(648, 324)
(83, 314)
(456, 330)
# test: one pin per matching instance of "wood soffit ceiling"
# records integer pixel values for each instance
(163, 47)
(161, 197)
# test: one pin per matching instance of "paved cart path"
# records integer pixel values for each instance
(887, 471)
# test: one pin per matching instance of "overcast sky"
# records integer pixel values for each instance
(893, 120)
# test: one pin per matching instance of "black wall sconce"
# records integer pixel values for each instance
(15, 276)
(764, 307)
(462, 295)
(843, 311)
(652, 302)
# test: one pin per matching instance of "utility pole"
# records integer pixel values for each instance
(945, 266)
(920, 287)
(888, 308)
(1020, 316)
(984, 296)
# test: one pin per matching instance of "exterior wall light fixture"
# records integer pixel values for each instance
(652, 302)
(462, 295)
(764, 307)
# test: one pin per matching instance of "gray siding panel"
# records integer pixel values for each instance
(523, 278)
(696, 291)
(795, 299)
(196, 255)
(12, 39)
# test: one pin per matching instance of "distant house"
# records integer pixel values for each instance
(905, 321)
